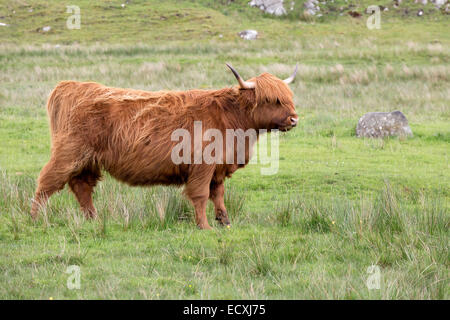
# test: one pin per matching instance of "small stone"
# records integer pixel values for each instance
(248, 34)
(46, 29)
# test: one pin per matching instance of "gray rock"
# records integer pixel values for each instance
(383, 124)
(439, 3)
(248, 34)
(292, 5)
(274, 7)
(311, 7)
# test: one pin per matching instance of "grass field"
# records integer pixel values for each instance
(337, 205)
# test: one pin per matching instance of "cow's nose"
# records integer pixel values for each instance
(294, 121)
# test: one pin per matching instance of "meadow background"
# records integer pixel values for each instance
(338, 204)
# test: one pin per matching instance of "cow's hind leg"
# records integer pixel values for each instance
(82, 186)
(52, 178)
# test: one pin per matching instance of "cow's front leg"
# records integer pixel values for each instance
(197, 190)
(216, 194)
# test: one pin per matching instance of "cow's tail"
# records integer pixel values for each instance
(58, 107)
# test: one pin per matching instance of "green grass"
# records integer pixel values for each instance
(337, 205)
(148, 22)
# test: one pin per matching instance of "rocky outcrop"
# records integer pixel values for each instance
(311, 7)
(275, 7)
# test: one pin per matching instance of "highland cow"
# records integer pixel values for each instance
(127, 133)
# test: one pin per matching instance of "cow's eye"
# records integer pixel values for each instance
(278, 102)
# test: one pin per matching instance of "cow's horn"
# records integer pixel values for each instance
(243, 84)
(291, 78)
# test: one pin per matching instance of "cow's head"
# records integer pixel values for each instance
(270, 99)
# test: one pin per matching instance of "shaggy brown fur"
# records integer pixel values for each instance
(127, 133)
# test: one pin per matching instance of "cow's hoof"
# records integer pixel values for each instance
(224, 223)
(223, 220)
(204, 226)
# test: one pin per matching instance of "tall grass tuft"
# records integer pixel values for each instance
(284, 212)
(235, 200)
(258, 258)
(225, 252)
(388, 216)
(169, 206)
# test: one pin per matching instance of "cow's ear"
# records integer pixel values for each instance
(242, 84)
